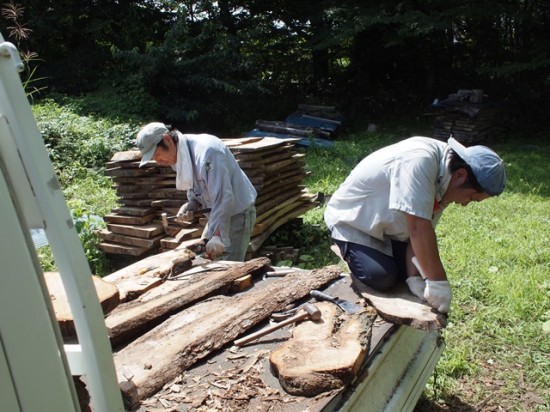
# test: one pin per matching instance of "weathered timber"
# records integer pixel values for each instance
(161, 354)
(133, 318)
(107, 295)
(400, 306)
(137, 278)
(326, 354)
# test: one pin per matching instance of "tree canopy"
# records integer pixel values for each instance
(218, 65)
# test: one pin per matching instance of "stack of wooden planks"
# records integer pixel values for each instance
(468, 120)
(135, 228)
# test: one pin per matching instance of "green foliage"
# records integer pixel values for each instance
(77, 143)
(79, 146)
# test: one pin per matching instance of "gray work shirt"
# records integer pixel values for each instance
(369, 208)
(218, 182)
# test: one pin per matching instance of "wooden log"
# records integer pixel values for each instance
(137, 278)
(324, 355)
(133, 318)
(107, 293)
(160, 355)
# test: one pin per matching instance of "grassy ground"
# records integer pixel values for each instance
(497, 254)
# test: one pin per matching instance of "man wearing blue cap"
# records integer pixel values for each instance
(382, 218)
(208, 171)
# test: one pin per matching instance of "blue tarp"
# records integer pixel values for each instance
(315, 122)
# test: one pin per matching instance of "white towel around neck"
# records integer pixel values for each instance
(184, 166)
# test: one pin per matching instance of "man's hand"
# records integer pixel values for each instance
(186, 212)
(438, 294)
(416, 285)
(215, 247)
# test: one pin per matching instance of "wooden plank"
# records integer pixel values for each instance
(133, 318)
(400, 306)
(272, 167)
(107, 294)
(266, 222)
(240, 141)
(120, 249)
(129, 240)
(140, 172)
(257, 241)
(157, 357)
(275, 200)
(325, 355)
(266, 143)
(143, 231)
(128, 220)
(128, 155)
(137, 278)
(133, 211)
(183, 234)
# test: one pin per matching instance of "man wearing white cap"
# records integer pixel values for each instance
(208, 171)
(382, 218)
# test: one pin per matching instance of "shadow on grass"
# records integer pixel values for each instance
(452, 403)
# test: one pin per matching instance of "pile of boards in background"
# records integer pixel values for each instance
(269, 159)
(468, 116)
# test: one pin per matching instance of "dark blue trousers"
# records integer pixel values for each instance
(374, 268)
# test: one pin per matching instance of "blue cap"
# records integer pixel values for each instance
(487, 166)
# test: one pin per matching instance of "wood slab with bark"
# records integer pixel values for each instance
(326, 354)
(400, 306)
(158, 356)
(137, 278)
(133, 318)
(107, 294)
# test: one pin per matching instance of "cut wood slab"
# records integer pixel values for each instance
(128, 155)
(400, 306)
(129, 240)
(137, 278)
(145, 231)
(128, 220)
(139, 315)
(160, 355)
(120, 249)
(326, 354)
(107, 294)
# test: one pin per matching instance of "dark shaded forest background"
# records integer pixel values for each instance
(219, 66)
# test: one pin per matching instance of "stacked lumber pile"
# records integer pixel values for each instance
(467, 116)
(135, 228)
(309, 124)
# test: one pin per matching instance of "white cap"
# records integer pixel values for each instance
(147, 140)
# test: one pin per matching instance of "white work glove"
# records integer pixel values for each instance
(185, 214)
(438, 294)
(416, 285)
(215, 247)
